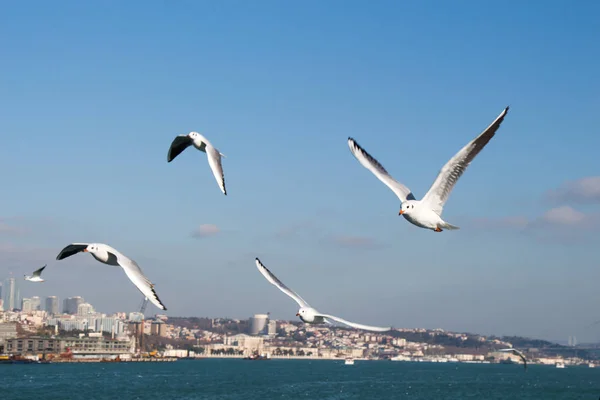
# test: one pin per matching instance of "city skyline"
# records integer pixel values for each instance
(98, 91)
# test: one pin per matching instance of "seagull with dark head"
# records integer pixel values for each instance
(36, 277)
(182, 142)
(110, 256)
(306, 313)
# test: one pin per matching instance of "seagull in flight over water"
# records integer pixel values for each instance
(110, 256)
(306, 313)
(517, 353)
(182, 142)
(36, 277)
(427, 212)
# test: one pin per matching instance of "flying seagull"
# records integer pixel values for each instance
(427, 212)
(107, 255)
(36, 277)
(306, 312)
(182, 142)
(517, 353)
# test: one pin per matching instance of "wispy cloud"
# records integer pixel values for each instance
(581, 191)
(298, 229)
(564, 216)
(205, 230)
(10, 229)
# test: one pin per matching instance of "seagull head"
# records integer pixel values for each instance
(91, 248)
(306, 314)
(407, 207)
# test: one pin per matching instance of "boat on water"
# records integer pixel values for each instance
(349, 361)
(591, 365)
(255, 357)
(560, 365)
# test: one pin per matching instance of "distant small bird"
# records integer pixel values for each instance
(517, 353)
(306, 312)
(182, 142)
(36, 277)
(427, 212)
(108, 255)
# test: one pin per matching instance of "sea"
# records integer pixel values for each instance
(295, 379)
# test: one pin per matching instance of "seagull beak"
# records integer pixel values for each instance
(85, 250)
(401, 212)
(297, 314)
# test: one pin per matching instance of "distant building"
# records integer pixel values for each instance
(84, 309)
(35, 303)
(272, 328)
(70, 304)
(257, 324)
(81, 346)
(12, 298)
(52, 305)
(158, 328)
(8, 330)
(26, 305)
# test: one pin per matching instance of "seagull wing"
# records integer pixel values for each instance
(179, 144)
(214, 160)
(439, 192)
(71, 249)
(355, 325)
(273, 279)
(39, 271)
(377, 169)
(517, 353)
(135, 274)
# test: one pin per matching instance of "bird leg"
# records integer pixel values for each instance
(437, 229)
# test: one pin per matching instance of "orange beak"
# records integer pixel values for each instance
(297, 314)
(401, 212)
(85, 250)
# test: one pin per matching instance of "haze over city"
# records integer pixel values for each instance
(93, 97)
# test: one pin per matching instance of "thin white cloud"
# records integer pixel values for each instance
(205, 230)
(581, 191)
(564, 216)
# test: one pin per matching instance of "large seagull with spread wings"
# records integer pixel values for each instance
(427, 212)
(110, 256)
(306, 312)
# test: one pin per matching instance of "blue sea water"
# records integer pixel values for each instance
(295, 379)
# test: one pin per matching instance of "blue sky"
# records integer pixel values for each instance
(93, 94)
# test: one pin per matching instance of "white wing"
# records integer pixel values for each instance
(214, 160)
(377, 169)
(448, 176)
(355, 325)
(273, 279)
(135, 274)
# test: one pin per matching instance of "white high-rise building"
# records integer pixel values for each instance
(272, 328)
(26, 305)
(52, 305)
(35, 303)
(257, 324)
(85, 309)
(12, 297)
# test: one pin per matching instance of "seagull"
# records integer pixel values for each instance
(107, 255)
(427, 212)
(36, 277)
(306, 313)
(182, 142)
(517, 353)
